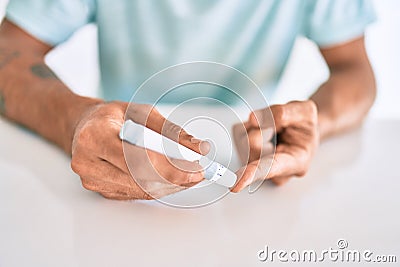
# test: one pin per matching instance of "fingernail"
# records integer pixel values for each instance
(195, 140)
(204, 147)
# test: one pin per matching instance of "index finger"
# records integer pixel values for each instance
(149, 116)
(281, 116)
(268, 167)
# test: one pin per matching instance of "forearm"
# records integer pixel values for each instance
(345, 99)
(31, 95)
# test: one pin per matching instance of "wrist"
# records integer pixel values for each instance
(78, 108)
(325, 124)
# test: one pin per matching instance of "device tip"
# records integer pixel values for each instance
(228, 179)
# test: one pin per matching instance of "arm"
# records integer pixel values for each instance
(339, 104)
(30, 92)
(87, 128)
(345, 99)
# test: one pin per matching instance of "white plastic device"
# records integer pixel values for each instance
(142, 136)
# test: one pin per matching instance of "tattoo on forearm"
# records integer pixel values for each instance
(42, 71)
(7, 56)
(2, 104)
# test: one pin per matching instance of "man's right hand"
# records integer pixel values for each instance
(98, 154)
(33, 96)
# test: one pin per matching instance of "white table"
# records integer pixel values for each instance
(352, 191)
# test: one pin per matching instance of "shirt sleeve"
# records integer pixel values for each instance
(51, 21)
(331, 22)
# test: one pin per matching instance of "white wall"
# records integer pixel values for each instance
(383, 42)
(383, 45)
(76, 62)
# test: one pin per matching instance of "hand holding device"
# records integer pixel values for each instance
(144, 137)
(296, 125)
(98, 155)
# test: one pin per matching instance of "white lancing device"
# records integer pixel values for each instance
(144, 137)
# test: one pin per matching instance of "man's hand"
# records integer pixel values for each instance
(32, 95)
(296, 126)
(98, 156)
(342, 101)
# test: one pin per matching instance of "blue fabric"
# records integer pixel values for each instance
(138, 38)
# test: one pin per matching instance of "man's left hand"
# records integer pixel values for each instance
(296, 126)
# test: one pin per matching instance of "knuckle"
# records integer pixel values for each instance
(144, 109)
(139, 109)
(278, 112)
(180, 177)
(139, 195)
(146, 196)
(114, 196)
(194, 177)
(134, 191)
(76, 165)
(177, 178)
(141, 113)
(312, 109)
(84, 136)
(108, 195)
(183, 135)
(112, 110)
(304, 159)
(311, 105)
(173, 131)
(88, 185)
(296, 102)
(302, 171)
(278, 181)
(117, 105)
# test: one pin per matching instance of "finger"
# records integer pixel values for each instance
(183, 173)
(292, 113)
(264, 118)
(109, 147)
(247, 125)
(122, 196)
(260, 139)
(240, 137)
(269, 167)
(178, 134)
(150, 117)
(103, 186)
(115, 196)
(252, 172)
(113, 152)
(115, 191)
(281, 180)
(289, 161)
(251, 143)
(147, 165)
(101, 176)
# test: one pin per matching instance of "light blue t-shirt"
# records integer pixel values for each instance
(138, 38)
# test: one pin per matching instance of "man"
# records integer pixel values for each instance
(139, 38)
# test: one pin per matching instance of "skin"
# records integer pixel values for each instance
(87, 128)
(340, 104)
